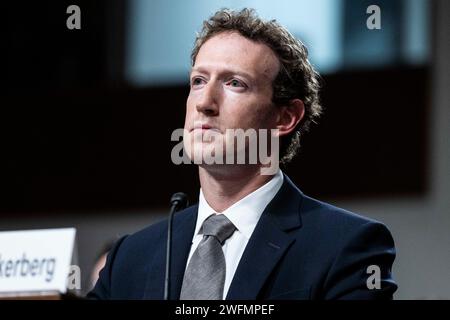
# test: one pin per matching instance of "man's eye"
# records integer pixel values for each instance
(236, 83)
(196, 81)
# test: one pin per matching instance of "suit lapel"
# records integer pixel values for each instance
(181, 246)
(183, 230)
(268, 243)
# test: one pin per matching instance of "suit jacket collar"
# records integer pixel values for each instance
(268, 243)
(284, 209)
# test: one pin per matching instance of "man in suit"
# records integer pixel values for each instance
(252, 236)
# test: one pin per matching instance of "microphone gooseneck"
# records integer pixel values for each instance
(178, 201)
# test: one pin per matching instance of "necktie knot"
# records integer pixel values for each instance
(219, 226)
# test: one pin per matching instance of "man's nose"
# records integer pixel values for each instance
(208, 102)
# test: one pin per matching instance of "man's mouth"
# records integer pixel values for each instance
(204, 127)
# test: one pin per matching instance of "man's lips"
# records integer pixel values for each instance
(204, 127)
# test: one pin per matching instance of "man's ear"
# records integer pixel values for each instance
(289, 116)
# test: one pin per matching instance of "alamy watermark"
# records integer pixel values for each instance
(374, 280)
(74, 278)
(232, 147)
(74, 20)
(373, 22)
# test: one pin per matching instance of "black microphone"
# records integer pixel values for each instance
(178, 202)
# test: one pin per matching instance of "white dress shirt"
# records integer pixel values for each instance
(244, 214)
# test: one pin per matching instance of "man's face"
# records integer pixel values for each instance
(231, 88)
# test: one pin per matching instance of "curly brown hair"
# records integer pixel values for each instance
(296, 78)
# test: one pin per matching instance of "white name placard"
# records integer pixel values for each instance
(35, 260)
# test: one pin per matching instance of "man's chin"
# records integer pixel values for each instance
(207, 159)
(230, 171)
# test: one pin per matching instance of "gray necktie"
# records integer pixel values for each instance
(205, 275)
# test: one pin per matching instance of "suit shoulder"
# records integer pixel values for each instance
(332, 217)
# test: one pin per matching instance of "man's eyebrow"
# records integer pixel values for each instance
(227, 71)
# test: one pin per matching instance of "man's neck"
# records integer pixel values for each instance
(223, 188)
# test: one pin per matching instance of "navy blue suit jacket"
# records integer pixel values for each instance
(301, 248)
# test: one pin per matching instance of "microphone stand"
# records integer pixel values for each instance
(179, 201)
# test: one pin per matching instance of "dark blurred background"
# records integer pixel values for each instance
(86, 118)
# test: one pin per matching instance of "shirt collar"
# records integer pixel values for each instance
(245, 213)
